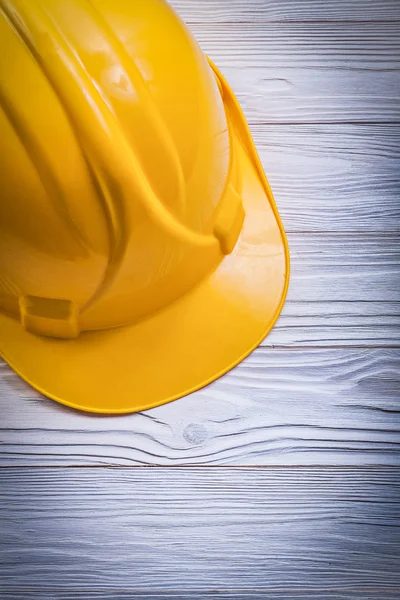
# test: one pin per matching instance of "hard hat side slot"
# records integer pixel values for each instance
(49, 317)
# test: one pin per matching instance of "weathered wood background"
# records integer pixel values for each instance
(282, 479)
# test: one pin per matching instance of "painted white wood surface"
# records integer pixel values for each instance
(336, 178)
(199, 531)
(204, 595)
(309, 72)
(280, 407)
(280, 11)
(313, 414)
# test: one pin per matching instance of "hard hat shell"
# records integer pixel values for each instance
(141, 251)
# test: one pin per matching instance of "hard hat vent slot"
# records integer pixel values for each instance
(49, 317)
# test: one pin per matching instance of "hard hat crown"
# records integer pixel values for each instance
(119, 191)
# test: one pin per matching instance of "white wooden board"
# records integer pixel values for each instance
(229, 11)
(338, 178)
(309, 72)
(376, 593)
(200, 532)
(319, 83)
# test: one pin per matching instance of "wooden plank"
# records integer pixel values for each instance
(280, 407)
(336, 323)
(40, 594)
(229, 11)
(309, 72)
(338, 268)
(333, 177)
(278, 531)
(311, 94)
(298, 45)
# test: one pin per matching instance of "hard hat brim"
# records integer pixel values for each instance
(190, 343)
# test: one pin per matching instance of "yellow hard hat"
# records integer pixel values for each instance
(141, 251)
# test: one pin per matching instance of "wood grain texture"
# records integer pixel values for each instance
(319, 83)
(336, 324)
(311, 95)
(333, 177)
(200, 531)
(315, 594)
(279, 407)
(309, 72)
(254, 11)
(369, 46)
(348, 267)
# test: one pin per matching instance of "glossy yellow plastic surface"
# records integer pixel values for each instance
(141, 251)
